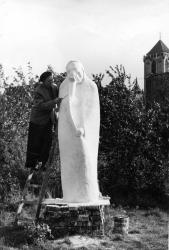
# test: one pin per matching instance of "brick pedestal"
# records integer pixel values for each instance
(68, 219)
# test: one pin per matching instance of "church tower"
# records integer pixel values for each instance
(156, 72)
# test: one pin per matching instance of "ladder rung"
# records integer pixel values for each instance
(35, 186)
(30, 202)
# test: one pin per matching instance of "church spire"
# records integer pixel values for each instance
(160, 36)
(156, 70)
(158, 48)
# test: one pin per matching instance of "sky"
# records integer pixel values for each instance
(99, 33)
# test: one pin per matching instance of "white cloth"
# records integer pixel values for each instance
(78, 132)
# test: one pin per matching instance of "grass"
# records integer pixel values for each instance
(147, 230)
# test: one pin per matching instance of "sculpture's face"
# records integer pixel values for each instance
(75, 72)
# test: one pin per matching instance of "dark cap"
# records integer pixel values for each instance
(44, 76)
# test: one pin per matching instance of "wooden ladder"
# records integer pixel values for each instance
(43, 187)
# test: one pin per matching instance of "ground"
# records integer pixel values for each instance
(147, 230)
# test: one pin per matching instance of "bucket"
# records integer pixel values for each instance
(121, 224)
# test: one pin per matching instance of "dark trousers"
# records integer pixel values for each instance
(39, 144)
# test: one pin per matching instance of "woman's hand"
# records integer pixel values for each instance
(58, 101)
(80, 132)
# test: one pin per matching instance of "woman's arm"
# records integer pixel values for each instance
(40, 104)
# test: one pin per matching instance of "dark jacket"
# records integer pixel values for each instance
(44, 106)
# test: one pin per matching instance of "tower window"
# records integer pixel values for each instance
(153, 67)
(166, 66)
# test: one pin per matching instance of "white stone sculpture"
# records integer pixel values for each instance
(78, 132)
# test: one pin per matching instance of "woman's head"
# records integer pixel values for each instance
(46, 78)
(75, 71)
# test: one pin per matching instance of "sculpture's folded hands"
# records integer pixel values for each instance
(80, 132)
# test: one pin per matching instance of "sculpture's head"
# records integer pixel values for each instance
(75, 71)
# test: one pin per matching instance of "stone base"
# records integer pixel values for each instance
(75, 218)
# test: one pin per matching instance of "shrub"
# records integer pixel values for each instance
(134, 142)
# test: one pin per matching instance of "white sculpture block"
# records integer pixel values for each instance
(78, 132)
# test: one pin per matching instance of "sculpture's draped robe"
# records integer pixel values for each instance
(79, 110)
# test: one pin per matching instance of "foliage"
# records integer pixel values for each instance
(37, 232)
(134, 142)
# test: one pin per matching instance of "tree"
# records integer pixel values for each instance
(132, 141)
